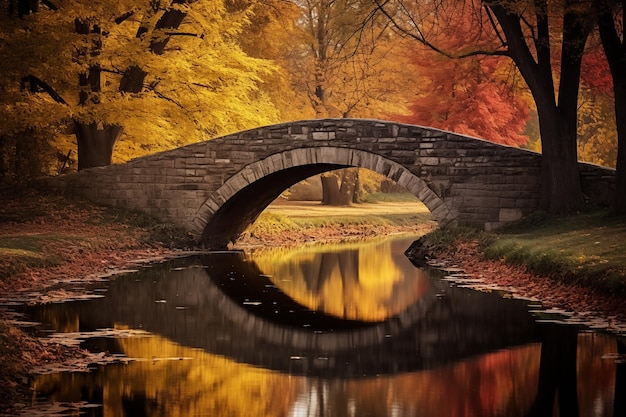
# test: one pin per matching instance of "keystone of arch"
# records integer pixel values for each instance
(326, 155)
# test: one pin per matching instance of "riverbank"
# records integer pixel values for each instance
(46, 238)
(576, 264)
(297, 223)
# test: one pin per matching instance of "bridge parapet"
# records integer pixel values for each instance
(217, 187)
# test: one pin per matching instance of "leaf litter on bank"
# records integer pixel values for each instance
(575, 304)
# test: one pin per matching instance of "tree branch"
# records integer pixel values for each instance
(123, 17)
(421, 38)
(195, 35)
(495, 26)
(50, 5)
(36, 85)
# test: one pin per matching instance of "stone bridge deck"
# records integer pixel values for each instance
(216, 188)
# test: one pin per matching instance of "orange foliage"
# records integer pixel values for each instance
(472, 95)
(461, 96)
(595, 73)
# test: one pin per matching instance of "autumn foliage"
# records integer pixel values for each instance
(227, 66)
(457, 89)
(461, 96)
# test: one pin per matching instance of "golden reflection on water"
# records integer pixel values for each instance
(357, 282)
(210, 384)
(363, 282)
(175, 380)
(178, 381)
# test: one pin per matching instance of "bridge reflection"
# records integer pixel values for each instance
(205, 305)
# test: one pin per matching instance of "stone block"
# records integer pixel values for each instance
(510, 214)
(431, 161)
(323, 135)
(491, 226)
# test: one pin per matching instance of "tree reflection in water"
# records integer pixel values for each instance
(368, 281)
(201, 360)
(501, 383)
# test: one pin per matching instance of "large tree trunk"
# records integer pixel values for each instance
(336, 194)
(615, 51)
(619, 201)
(95, 143)
(561, 191)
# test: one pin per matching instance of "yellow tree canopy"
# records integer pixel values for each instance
(202, 85)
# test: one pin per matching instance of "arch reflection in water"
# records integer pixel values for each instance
(469, 353)
(364, 281)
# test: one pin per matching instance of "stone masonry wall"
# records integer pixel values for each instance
(480, 183)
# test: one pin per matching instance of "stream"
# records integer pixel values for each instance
(328, 330)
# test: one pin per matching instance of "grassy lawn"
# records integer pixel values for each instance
(298, 215)
(588, 249)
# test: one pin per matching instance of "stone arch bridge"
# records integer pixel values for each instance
(216, 188)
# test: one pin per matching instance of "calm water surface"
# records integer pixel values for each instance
(352, 330)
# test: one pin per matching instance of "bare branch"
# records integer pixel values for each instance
(123, 17)
(195, 35)
(495, 26)
(36, 85)
(50, 5)
(415, 32)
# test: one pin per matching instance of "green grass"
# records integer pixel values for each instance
(293, 216)
(389, 197)
(587, 249)
(269, 222)
(306, 217)
(24, 251)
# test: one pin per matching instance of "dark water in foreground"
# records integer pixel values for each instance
(334, 331)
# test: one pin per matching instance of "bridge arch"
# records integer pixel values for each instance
(213, 189)
(240, 200)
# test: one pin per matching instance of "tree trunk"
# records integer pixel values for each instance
(334, 194)
(561, 191)
(330, 189)
(349, 184)
(619, 201)
(615, 51)
(95, 143)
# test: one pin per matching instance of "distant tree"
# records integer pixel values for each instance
(167, 73)
(472, 96)
(271, 34)
(597, 131)
(531, 33)
(343, 58)
(349, 64)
